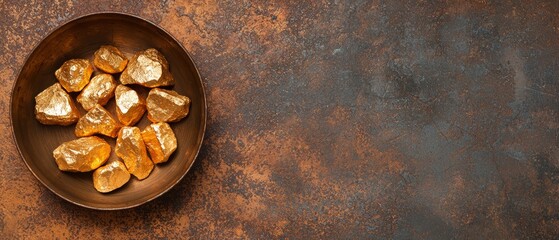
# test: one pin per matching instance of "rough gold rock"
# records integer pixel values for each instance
(166, 105)
(97, 120)
(74, 74)
(53, 106)
(99, 90)
(109, 59)
(110, 177)
(131, 148)
(148, 68)
(82, 155)
(160, 141)
(130, 107)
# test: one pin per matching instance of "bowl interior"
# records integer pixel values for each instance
(80, 38)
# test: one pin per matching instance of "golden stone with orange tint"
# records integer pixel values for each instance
(160, 141)
(110, 177)
(82, 155)
(97, 121)
(148, 68)
(166, 105)
(130, 107)
(74, 74)
(99, 91)
(131, 149)
(54, 106)
(109, 59)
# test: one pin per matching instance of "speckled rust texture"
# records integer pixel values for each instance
(332, 119)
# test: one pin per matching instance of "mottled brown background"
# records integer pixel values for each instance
(332, 119)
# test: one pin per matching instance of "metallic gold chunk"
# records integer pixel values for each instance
(82, 155)
(110, 177)
(130, 107)
(53, 106)
(148, 68)
(74, 74)
(131, 148)
(166, 105)
(99, 90)
(97, 120)
(160, 141)
(109, 59)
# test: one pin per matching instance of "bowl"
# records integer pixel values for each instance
(80, 38)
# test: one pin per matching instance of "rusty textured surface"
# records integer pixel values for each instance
(333, 119)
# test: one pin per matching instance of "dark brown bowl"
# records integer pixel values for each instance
(80, 38)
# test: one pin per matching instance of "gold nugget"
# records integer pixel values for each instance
(110, 177)
(160, 141)
(166, 105)
(109, 59)
(130, 107)
(53, 106)
(148, 68)
(131, 148)
(74, 74)
(97, 120)
(99, 90)
(82, 155)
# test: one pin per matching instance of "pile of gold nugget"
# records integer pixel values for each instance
(148, 68)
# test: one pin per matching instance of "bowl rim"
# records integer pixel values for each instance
(197, 72)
